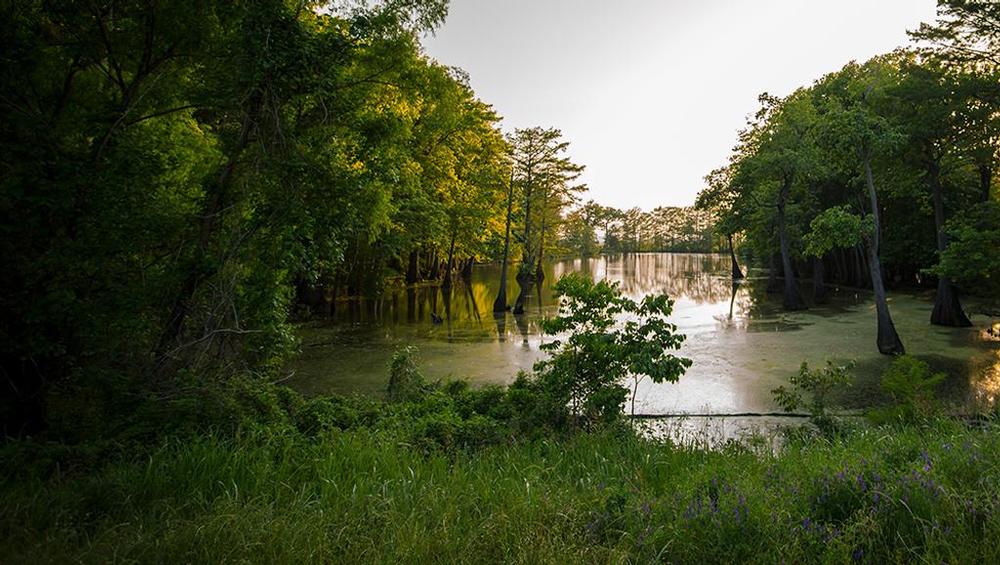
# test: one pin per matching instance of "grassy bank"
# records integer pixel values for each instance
(919, 493)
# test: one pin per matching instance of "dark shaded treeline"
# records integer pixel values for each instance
(176, 173)
(178, 176)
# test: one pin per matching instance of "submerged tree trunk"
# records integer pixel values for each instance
(947, 308)
(792, 298)
(500, 304)
(887, 339)
(539, 273)
(467, 268)
(737, 273)
(527, 259)
(522, 296)
(413, 268)
(435, 266)
(732, 299)
(450, 265)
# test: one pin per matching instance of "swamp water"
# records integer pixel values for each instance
(742, 344)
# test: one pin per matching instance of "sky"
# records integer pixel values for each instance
(650, 93)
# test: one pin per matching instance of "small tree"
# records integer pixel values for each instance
(819, 384)
(610, 338)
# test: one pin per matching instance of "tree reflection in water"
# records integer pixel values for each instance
(741, 341)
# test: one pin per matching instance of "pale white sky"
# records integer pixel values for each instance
(650, 93)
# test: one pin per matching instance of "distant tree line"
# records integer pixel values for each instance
(592, 229)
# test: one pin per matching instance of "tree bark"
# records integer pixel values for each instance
(215, 203)
(947, 308)
(413, 268)
(500, 304)
(887, 339)
(450, 265)
(737, 273)
(527, 259)
(539, 273)
(435, 266)
(792, 297)
(522, 296)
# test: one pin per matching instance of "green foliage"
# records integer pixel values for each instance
(881, 496)
(586, 368)
(405, 380)
(174, 173)
(973, 255)
(819, 384)
(911, 385)
(835, 228)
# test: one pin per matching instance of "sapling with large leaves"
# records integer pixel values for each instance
(604, 339)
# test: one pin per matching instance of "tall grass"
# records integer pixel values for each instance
(903, 495)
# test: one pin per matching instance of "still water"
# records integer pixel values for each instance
(741, 343)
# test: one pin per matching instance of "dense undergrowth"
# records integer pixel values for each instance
(388, 493)
(438, 472)
(545, 470)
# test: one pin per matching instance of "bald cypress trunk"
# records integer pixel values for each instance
(500, 304)
(522, 296)
(539, 273)
(792, 299)
(887, 339)
(947, 308)
(435, 266)
(413, 268)
(450, 265)
(737, 273)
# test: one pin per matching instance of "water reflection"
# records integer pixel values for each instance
(696, 278)
(742, 343)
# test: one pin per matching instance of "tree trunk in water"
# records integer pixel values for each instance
(449, 266)
(435, 266)
(539, 273)
(467, 268)
(500, 304)
(887, 339)
(737, 273)
(527, 259)
(732, 299)
(413, 268)
(792, 298)
(819, 282)
(947, 308)
(522, 296)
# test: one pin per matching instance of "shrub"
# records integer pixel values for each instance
(910, 383)
(405, 380)
(819, 384)
(586, 369)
